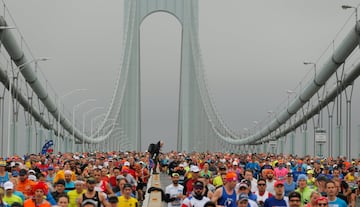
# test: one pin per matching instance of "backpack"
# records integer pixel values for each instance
(152, 148)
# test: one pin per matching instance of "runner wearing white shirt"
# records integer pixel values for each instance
(174, 192)
(196, 199)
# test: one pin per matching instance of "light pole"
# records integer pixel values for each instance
(73, 119)
(255, 125)
(91, 127)
(110, 125)
(117, 131)
(114, 121)
(289, 92)
(311, 63)
(84, 116)
(92, 123)
(20, 68)
(351, 7)
(59, 106)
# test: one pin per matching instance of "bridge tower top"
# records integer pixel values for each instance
(186, 11)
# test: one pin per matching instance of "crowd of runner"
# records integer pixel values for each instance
(116, 179)
(119, 179)
(250, 180)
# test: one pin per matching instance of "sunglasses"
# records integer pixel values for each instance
(198, 188)
(261, 184)
(322, 204)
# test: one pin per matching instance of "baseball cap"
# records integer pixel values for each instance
(222, 168)
(126, 163)
(294, 194)
(231, 176)
(277, 183)
(310, 172)
(32, 171)
(194, 169)
(22, 172)
(119, 177)
(235, 163)
(181, 165)
(8, 185)
(91, 180)
(60, 182)
(247, 182)
(321, 178)
(175, 175)
(50, 168)
(243, 197)
(14, 173)
(198, 184)
(113, 199)
(243, 184)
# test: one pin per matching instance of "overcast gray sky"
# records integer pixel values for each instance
(253, 52)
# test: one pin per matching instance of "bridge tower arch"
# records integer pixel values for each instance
(135, 11)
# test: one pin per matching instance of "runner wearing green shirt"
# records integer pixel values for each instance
(303, 189)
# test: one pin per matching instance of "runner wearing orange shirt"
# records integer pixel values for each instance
(25, 185)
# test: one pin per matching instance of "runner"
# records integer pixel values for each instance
(93, 196)
(278, 199)
(174, 192)
(196, 198)
(226, 195)
(125, 200)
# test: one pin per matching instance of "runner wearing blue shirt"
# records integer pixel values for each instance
(254, 166)
(277, 200)
(289, 184)
(331, 191)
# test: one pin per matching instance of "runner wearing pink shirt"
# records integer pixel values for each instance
(280, 171)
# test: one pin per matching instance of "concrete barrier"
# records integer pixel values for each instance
(153, 199)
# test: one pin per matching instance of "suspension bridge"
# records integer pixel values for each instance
(316, 118)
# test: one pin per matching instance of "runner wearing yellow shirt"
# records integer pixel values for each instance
(218, 180)
(75, 194)
(9, 197)
(61, 174)
(126, 200)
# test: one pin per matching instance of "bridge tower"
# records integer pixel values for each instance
(190, 107)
